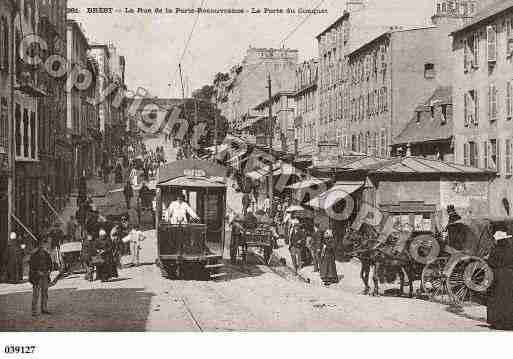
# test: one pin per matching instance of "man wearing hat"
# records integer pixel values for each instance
(39, 277)
(297, 242)
(500, 302)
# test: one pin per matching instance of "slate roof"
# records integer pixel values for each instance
(489, 11)
(428, 128)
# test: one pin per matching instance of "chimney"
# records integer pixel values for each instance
(355, 5)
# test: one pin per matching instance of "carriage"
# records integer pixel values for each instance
(192, 250)
(460, 274)
(257, 235)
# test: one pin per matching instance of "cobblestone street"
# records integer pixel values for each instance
(252, 298)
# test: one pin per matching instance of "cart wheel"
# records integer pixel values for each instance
(434, 281)
(468, 277)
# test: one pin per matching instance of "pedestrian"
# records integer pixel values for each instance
(136, 238)
(314, 242)
(500, 301)
(328, 267)
(266, 205)
(235, 238)
(11, 258)
(39, 276)
(56, 239)
(72, 229)
(246, 203)
(297, 241)
(118, 173)
(128, 192)
(82, 191)
(107, 268)
(133, 176)
(88, 252)
(116, 234)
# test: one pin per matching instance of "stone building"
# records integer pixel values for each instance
(27, 93)
(360, 28)
(483, 104)
(8, 11)
(54, 149)
(247, 85)
(307, 112)
(79, 112)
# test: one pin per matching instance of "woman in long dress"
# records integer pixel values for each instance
(328, 267)
(107, 269)
(500, 301)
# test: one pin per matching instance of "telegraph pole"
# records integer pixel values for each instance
(270, 131)
(215, 125)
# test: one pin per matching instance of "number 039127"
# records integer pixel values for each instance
(19, 349)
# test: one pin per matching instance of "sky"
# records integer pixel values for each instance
(153, 43)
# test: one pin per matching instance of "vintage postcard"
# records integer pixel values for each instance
(255, 166)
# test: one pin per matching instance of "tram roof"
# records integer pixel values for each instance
(199, 169)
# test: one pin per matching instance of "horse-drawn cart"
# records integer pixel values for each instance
(460, 274)
(70, 253)
(257, 235)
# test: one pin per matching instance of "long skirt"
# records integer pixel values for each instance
(328, 267)
(500, 302)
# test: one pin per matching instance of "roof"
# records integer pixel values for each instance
(340, 190)
(79, 30)
(485, 14)
(400, 28)
(428, 128)
(418, 165)
(193, 182)
(176, 169)
(274, 98)
(308, 183)
(337, 22)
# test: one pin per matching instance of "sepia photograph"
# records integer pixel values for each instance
(220, 166)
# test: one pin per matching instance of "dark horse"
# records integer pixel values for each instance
(387, 259)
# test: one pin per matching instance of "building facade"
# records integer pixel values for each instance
(307, 111)
(247, 85)
(52, 110)
(483, 104)
(8, 11)
(28, 185)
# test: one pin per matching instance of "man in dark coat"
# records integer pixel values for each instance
(297, 242)
(314, 243)
(500, 301)
(39, 276)
(246, 202)
(128, 192)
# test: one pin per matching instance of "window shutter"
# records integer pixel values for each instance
(489, 107)
(465, 55)
(498, 157)
(476, 154)
(508, 169)
(476, 109)
(475, 50)
(508, 99)
(485, 154)
(495, 102)
(465, 109)
(466, 154)
(491, 43)
(509, 38)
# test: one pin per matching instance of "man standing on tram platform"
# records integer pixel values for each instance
(178, 210)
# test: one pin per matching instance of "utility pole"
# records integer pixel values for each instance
(215, 125)
(270, 130)
(181, 81)
(11, 151)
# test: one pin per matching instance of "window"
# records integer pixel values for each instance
(443, 119)
(471, 109)
(509, 157)
(429, 71)
(471, 52)
(25, 133)
(473, 154)
(3, 55)
(492, 103)
(4, 118)
(494, 157)
(33, 139)
(17, 116)
(491, 41)
(384, 144)
(509, 100)
(509, 38)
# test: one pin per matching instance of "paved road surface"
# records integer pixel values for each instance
(254, 298)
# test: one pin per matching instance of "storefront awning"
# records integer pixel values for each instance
(261, 172)
(308, 183)
(286, 169)
(339, 191)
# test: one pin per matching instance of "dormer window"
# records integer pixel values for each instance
(443, 120)
(429, 71)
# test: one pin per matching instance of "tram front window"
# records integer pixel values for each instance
(179, 211)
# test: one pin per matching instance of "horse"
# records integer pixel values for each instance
(386, 260)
